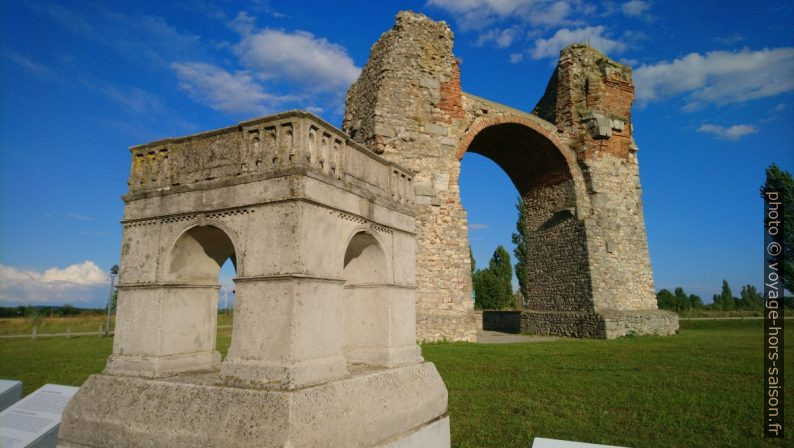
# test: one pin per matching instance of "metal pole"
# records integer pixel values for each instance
(110, 298)
(113, 271)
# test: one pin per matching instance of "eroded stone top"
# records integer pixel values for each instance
(294, 142)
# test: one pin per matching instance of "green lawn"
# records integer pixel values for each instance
(700, 388)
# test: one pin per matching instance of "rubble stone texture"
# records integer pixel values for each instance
(573, 161)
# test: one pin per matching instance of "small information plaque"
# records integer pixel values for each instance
(10, 393)
(33, 421)
(540, 442)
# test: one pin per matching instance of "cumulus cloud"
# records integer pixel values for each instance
(269, 59)
(635, 8)
(72, 284)
(718, 77)
(298, 57)
(734, 132)
(477, 14)
(593, 35)
(228, 92)
(86, 273)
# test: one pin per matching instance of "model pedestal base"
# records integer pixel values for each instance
(401, 407)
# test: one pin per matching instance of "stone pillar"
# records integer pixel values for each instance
(407, 106)
(162, 330)
(288, 312)
(166, 320)
(589, 97)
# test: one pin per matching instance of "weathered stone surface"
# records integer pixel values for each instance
(321, 232)
(573, 161)
(600, 325)
(369, 408)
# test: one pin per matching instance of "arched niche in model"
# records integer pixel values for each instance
(379, 316)
(170, 326)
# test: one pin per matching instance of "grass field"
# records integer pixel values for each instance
(701, 388)
(84, 322)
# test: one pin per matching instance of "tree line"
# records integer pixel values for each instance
(493, 288)
(33, 311)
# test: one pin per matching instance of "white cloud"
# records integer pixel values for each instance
(478, 226)
(228, 92)
(311, 65)
(134, 100)
(515, 58)
(718, 77)
(145, 40)
(730, 40)
(39, 70)
(502, 38)
(734, 132)
(73, 284)
(477, 14)
(297, 57)
(635, 8)
(592, 35)
(86, 273)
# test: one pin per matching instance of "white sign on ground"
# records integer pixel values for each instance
(540, 442)
(10, 393)
(33, 422)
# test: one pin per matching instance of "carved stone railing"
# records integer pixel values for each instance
(272, 146)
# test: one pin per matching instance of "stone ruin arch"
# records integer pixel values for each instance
(573, 160)
(349, 246)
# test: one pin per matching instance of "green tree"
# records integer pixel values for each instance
(750, 299)
(695, 302)
(724, 300)
(682, 302)
(493, 286)
(503, 270)
(521, 251)
(473, 263)
(665, 300)
(68, 310)
(486, 290)
(781, 181)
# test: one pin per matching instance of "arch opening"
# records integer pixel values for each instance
(529, 159)
(555, 277)
(199, 254)
(365, 262)
(200, 267)
(365, 301)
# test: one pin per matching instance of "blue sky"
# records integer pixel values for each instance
(80, 82)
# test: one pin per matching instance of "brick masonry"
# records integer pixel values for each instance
(573, 160)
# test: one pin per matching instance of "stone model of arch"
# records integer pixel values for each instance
(323, 352)
(573, 161)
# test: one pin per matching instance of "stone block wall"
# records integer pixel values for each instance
(573, 160)
(406, 106)
(589, 99)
